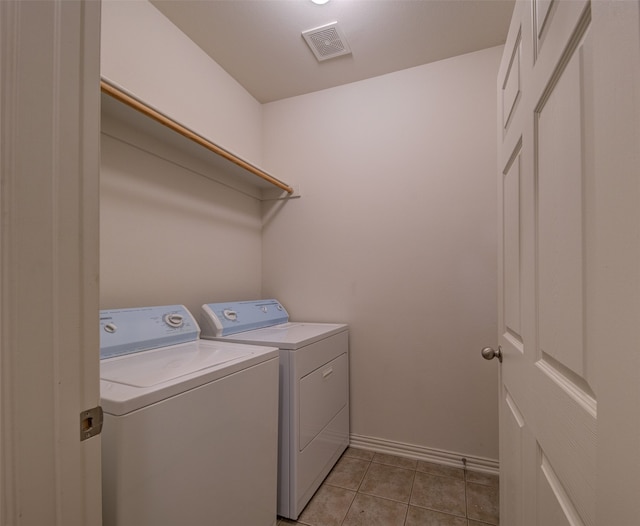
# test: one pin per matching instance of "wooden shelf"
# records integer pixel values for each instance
(233, 162)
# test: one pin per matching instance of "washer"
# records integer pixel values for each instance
(190, 427)
(314, 389)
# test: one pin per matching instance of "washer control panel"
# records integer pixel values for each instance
(222, 319)
(125, 331)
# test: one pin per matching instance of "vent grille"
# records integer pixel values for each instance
(327, 41)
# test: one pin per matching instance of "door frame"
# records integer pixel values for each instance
(616, 287)
(49, 259)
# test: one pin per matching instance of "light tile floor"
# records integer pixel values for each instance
(375, 489)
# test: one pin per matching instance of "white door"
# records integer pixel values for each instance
(569, 264)
(49, 348)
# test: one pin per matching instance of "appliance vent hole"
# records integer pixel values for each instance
(327, 41)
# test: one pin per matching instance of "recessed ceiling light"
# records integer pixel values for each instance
(320, 2)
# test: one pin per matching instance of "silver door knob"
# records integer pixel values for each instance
(489, 354)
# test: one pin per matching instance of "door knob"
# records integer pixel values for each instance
(489, 354)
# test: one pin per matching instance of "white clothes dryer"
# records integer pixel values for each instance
(314, 389)
(190, 427)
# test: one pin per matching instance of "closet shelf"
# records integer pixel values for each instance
(182, 130)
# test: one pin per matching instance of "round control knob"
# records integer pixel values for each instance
(231, 315)
(174, 320)
(110, 328)
(489, 354)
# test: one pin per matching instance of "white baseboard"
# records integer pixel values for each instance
(437, 456)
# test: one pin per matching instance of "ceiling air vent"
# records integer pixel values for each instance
(327, 41)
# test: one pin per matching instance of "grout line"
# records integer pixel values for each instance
(413, 482)
(408, 504)
(356, 494)
(364, 476)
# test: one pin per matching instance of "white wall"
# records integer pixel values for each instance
(167, 234)
(395, 234)
(152, 59)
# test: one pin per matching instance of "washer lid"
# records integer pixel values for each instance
(134, 381)
(153, 368)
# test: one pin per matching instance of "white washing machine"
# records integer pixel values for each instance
(314, 389)
(190, 426)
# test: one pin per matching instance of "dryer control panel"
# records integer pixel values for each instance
(125, 331)
(222, 319)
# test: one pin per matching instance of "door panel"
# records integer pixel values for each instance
(511, 214)
(553, 23)
(566, 432)
(548, 405)
(511, 83)
(542, 9)
(559, 211)
(517, 451)
(555, 507)
(565, 405)
(511, 456)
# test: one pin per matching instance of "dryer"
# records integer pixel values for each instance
(190, 430)
(314, 389)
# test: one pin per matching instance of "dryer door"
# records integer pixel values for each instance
(323, 393)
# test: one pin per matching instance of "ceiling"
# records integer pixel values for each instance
(259, 42)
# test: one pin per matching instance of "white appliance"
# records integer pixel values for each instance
(190, 427)
(314, 389)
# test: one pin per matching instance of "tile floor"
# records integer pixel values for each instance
(377, 489)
